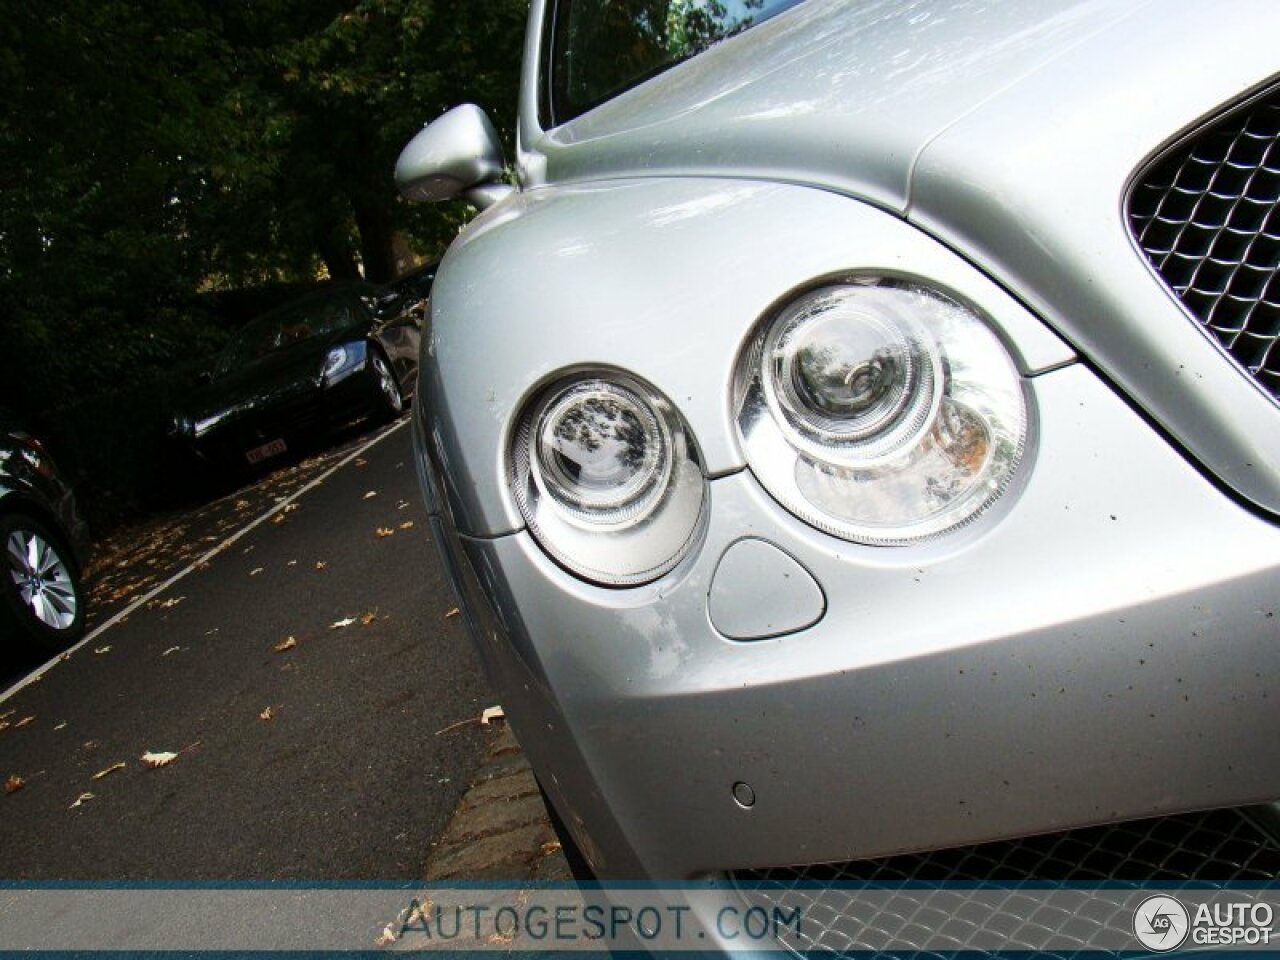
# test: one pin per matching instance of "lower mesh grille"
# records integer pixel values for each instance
(929, 899)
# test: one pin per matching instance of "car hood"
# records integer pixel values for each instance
(270, 380)
(844, 95)
(1009, 129)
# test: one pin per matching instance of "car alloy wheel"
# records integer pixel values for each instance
(389, 390)
(39, 583)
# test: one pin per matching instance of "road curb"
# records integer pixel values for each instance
(499, 829)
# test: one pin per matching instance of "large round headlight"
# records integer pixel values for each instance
(881, 411)
(608, 479)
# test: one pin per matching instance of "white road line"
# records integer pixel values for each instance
(97, 631)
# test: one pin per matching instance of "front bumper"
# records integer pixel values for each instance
(1101, 649)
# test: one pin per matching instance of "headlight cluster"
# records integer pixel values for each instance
(878, 410)
(881, 411)
(608, 478)
(343, 360)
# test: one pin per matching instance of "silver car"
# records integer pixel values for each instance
(855, 435)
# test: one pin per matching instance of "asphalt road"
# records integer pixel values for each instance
(312, 758)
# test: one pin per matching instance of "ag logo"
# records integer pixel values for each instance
(1161, 923)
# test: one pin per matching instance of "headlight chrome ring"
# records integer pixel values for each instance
(608, 478)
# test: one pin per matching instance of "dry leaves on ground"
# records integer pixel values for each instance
(288, 643)
(382, 532)
(14, 784)
(342, 624)
(109, 770)
(154, 760)
(81, 800)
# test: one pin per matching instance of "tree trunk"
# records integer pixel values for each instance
(377, 239)
(337, 255)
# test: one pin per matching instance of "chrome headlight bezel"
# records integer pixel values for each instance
(621, 535)
(928, 460)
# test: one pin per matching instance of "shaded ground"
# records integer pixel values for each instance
(304, 750)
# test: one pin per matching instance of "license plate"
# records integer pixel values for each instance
(272, 449)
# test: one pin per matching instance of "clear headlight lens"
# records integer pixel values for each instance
(881, 411)
(608, 479)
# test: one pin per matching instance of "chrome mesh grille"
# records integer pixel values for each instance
(1207, 215)
(931, 903)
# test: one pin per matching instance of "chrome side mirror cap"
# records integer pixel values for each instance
(458, 153)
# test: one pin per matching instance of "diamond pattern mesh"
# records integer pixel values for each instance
(1218, 846)
(1207, 215)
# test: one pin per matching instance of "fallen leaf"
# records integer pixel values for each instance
(106, 649)
(170, 650)
(371, 494)
(292, 563)
(242, 504)
(368, 617)
(288, 643)
(24, 721)
(249, 549)
(14, 784)
(406, 525)
(154, 760)
(267, 714)
(361, 463)
(384, 532)
(83, 798)
(490, 714)
(255, 571)
(109, 770)
(550, 847)
(402, 505)
(61, 726)
(321, 564)
(210, 633)
(344, 622)
(279, 519)
(453, 612)
(290, 507)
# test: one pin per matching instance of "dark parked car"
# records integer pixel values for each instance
(45, 544)
(316, 363)
(409, 292)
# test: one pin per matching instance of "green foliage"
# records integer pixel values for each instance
(152, 152)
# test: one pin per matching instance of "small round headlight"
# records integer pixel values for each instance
(602, 452)
(881, 411)
(608, 479)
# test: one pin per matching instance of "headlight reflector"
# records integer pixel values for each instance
(881, 411)
(608, 479)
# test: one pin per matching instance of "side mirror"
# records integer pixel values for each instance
(457, 154)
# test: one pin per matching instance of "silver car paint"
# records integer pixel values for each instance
(1066, 251)
(641, 275)
(840, 94)
(1080, 658)
(1102, 646)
